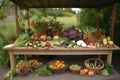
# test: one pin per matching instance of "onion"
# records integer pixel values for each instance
(82, 72)
(91, 73)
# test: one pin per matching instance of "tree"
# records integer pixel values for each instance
(87, 17)
(5, 8)
(69, 10)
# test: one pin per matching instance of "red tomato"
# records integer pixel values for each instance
(47, 44)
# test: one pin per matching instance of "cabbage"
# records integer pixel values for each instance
(73, 34)
(65, 33)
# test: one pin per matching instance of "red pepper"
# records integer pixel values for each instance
(47, 44)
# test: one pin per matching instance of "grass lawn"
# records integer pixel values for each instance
(68, 21)
(8, 29)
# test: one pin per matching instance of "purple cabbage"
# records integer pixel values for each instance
(65, 33)
(73, 34)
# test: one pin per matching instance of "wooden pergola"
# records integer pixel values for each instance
(97, 4)
(27, 4)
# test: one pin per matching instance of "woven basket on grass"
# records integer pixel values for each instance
(91, 64)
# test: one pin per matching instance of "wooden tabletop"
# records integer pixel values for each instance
(10, 47)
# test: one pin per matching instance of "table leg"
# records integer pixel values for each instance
(109, 57)
(12, 60)
(99, 56)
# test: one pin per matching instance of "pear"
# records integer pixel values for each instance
(110, 43)
(108, 38)
(104, 40)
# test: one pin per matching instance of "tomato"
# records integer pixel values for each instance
(47, 44)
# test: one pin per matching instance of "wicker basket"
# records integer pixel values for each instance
(75, 71)
(90, 61)
(58, 71)
(24, 74)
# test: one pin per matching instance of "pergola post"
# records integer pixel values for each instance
(113, 21)
(16, 19)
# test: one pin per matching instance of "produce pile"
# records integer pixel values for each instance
(71, 38)
(35, 64)
(94, 63)
(23, 67)
(75, 68)
(57, 66)
(60, 66)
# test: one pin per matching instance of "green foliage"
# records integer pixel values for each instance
(69, 10)
(4, 55)
(75, 67)
(105, 23)
(51, 13)
(5, 9)
(117, 28)
(87, 17)
(87, 29)
(67, 14)
(44, 71)
(22, 39)
(55, 13)
(107, 70)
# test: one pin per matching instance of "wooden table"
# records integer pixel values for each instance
(58, 51)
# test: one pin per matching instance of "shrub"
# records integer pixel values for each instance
(55, 13)
(4, 55)
(51, 13)
(67, 14)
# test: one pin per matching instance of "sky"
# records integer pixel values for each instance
(76, 9)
